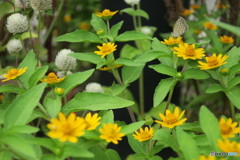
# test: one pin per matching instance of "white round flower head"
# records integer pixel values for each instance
(132, 2)
(65, 62)
(146, 30)
(14, 46)
(18, 3)
(17, 23)
(62, 74)
(41, 5)
(94, 87)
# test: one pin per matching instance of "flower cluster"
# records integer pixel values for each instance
(17, 23)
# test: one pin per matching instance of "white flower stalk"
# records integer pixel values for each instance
(41, 5)
(132, 2)
(18, 4)
(62, 74)
(94, 87)
(17, 23)
(14, 46)
(65, 62)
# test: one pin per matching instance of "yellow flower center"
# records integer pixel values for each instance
(13, 72)
(145, 135)
(225, 128)
(68, 129)
(212, 61)
(190, 51)
(171, 118)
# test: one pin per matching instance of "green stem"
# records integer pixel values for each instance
(54, 21)
(24, 48)
(232, 111)
(43, 110)
(139, 17)
(16, 61)
(176, 142)
(134, 20)
(39, 36)
(30, 33)
(141, 93)
(170, 95)
(20, 84)
(108, 27)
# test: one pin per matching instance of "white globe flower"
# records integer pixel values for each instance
(17, 23)
(18, 3)
(65, 62)
(94, 87)
(132, 2)
(14, 46)
(62, 74)
(146, 30)
(41, 5)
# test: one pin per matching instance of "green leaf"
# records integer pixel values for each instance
(45, 142)
(5, 8)
(161, 68)
(162, 90)
(34, 79)
(89, 57)
(194, 126)
(115, 28)
(95, 102)
(128, 129)
(195, 74)
(130, 74)
(131, 36)
(233, 82)
(22, 107)
(215, 88)
(127, 62)
(107, 118)
(20, 146)
(234, 70)
(233, 96)
(29, 61)
(70, 150)
(5, 155)
(26, 35)
(149, 56)
(155, 158)
(11, 89)
(53, 106)
(187, 145)
(98, 24)
(217, 44)
(117, 89)
(159, 46)
(210, 126)
(23, 129)
(74, 80)
(137, 12)
(233, 58)
(79, 36)
(129, 51)
(112, 154)
(137, 147)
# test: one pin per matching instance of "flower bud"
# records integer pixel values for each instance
(59, 91)
(17, 23)
(14, 46)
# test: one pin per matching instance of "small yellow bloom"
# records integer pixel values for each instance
(227, 146)
(85, 26)
(14, 73)
(228, 128)
(195, 6)
(221, 6)
(67, 18)
(106, 14)
(210, 26)
(187, 51)
(226, 39)
(108, 68)
(170, 120)
(91, 121)
(202, 157)
(197, 31)
(144, 135)
(66, 128)
(172, 41)
(59, 91)
(111, 133)
(187, 12)
(106, 49)
(52, 79)
(213, 61)
(224, 71)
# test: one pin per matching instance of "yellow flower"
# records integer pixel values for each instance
(221, 6)
(52, 79)
(227, 146)
(228, 128)
(59, 91)
(106, 49)
(108, 68)
(207, 157)
(67, 18)
(210, 26)
(197, 31)
(106, 14)
(14, 73)
(195, 6)
(85, 26)
(144, 135)
(111, 133)
(170, 119)
(66, 128)
(91, 121)
(187, 12)
(172, 41)
(226, 39)
(213, 61)
(187, 51)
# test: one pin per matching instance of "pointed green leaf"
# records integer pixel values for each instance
(131, 36)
